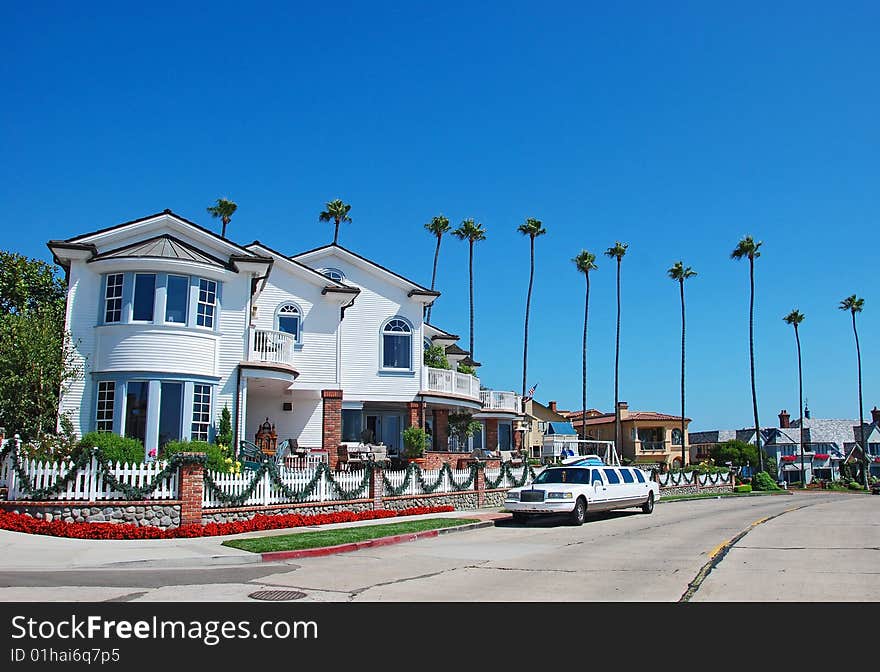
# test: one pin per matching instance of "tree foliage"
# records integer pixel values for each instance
(36, 354)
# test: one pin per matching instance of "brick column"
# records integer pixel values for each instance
(492, 434)
(191, 488)
(441, 429)
(517, 440)
(331, 435)
(480, 487)
(414, 410)
(377, 488)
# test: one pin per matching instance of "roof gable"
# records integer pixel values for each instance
(164, 246)
(300, 269)
(337, 251)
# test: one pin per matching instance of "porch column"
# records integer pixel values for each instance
(331, 435)
(242, 412)
(517, 439)
(414, 413)
(492, 434)
(441, 429)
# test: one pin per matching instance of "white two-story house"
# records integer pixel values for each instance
(171, 323)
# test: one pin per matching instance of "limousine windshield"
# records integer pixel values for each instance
(581, 476)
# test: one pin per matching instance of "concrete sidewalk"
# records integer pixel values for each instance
(21, 551)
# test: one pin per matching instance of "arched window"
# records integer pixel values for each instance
(288, 318)
(333, 274)
(676, 437)
(428, 343)
(397, 344)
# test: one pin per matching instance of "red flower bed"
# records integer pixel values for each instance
(17, 522)
(821, 456)
(788, 458)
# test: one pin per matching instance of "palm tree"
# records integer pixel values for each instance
(470, 232)
(337, 212)
(617, 252)
(224, 210)
(585, 262)
(437, 226)
(854, 305)
(531, 228)
(748, 248)
(679, 272)
(794, 318)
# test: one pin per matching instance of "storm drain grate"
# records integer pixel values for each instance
(277, 595)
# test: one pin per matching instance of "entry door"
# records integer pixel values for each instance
(389, 428)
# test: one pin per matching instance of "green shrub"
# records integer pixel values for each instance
(414, 439)
(763, 481)
(219, 457)
(435, 356)
(853, 485)
(224, 431)
(743, 488)
(469, 370)
(113, 447)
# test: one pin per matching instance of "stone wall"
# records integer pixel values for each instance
(228, 515)
(144, 513)
(676, 490)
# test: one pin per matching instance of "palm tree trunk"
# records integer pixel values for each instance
(225, 222)
(752, 360)
(584, 374)
(433, 279)
(336, 232)
(528, 305)
(471, 273)
(681, 286)
(797, 338)
(617, 432)
(861, 412)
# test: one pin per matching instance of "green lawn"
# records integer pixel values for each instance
(343, 535)
(715, 495)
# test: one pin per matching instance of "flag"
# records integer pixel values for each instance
(531, 392)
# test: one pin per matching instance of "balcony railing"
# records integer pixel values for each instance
(271, 347)
(500, 401)
(452, 382)
(652, 446)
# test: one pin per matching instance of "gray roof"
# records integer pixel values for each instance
(721, 435)
(838, 432)
(164, 247)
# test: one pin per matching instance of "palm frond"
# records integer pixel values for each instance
(585, 261)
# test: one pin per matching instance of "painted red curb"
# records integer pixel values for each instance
(346, 548)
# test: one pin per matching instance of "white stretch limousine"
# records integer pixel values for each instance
(582, 486)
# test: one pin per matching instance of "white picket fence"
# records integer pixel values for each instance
(89, 483)
(669, 480)
(266, 492)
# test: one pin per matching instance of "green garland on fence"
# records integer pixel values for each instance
(506, 469)
(128, 491)
(295, 495)
(428, 488)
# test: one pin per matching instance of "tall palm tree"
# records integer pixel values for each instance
(471, 232)
(224, 209)
(531, 228)
(585, 262)
(854, 305)
(337, 212)
(437, 226)
(748, 249)
(794, 318)
(679, 272)
(617, 252)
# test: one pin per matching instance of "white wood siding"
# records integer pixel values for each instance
(304, 423)
(379, 300)
(315, 359)
(138, 347)
(234, 307)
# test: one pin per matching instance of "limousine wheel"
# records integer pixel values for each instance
(648, 506)
(579, 514)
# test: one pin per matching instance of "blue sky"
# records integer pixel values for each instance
(675, 127)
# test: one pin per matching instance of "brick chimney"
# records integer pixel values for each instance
(552, 406)
(875, 414)
(784, 418)
(622, 405)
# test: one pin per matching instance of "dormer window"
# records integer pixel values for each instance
(333, 274)
(288, 318)
(397, 344)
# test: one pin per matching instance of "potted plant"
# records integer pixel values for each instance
(414, 441)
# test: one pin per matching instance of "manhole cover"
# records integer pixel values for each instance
(277, 595)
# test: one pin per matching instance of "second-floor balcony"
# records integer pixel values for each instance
(501, 401)
(447, 381)
(270, 347)
(652, 446)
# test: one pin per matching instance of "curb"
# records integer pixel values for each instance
(274, 556)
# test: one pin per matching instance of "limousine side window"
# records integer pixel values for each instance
(611, 476)
(627, 476)
(640, 476)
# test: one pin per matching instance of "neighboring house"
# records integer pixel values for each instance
(827, 442)
(537, 418)
(647, 437)
(172, 323)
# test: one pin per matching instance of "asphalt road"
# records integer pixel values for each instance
(815, 547)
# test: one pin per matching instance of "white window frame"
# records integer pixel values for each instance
(116, 297)
(207, 305)
(105, 402)
(382, 333)
(201, 412)
(333, 273)
(280, 312)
